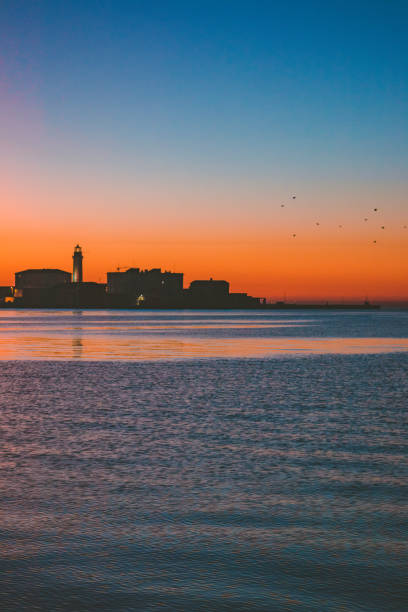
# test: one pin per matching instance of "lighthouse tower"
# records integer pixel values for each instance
(77, 267)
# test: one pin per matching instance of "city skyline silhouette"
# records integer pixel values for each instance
(265, 144)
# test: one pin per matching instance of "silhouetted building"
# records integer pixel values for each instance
(6, 295)
(41, 278)
(35, 297)
(149, 287)
(208, 294)
(53, 288)
(215, 294)
(34, 287)
(209, 289)
(80, 295)
(243, 300)
(77, 265)
(6, 292)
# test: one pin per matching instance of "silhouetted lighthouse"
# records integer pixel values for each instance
(77, 268)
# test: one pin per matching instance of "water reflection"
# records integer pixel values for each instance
(168, 335)
(77, 347)
(77, 332)
(148, 348)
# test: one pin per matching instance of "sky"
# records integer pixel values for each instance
(175, 134)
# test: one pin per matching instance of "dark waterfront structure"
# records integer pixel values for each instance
(209, 289)
(6, 292)
(6, 295)
(156, 289)
(35, 287)
(132, 288)
(40, 278)
(77, 265)
(236, 300)
(216, 294)
(80, 295)
(52, 288)
(212, 290)
(138, 287)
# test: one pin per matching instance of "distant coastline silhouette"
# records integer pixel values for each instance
(133, 288)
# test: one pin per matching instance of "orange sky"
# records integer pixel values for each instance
(236, 231)
(320, 262)
(184, 162)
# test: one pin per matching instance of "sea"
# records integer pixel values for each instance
(215, 461)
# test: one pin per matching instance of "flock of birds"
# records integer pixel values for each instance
(340, 226)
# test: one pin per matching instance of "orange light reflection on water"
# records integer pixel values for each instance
(148, 348)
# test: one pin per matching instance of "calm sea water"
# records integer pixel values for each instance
(209, 461)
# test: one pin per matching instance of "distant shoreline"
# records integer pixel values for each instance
(276, 306)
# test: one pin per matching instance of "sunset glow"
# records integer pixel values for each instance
(143, 169)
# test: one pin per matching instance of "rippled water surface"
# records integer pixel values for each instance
(220, 461)
(165, 335)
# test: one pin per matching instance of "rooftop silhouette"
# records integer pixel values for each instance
(129, 288)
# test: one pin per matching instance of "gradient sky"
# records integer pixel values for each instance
(168, 134)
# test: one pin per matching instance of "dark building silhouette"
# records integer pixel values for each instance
(40, 278)
(51, 288)
(209, 289)
(133, 288)
(6, 294)
(243, 300)
(34, 287)
(145, 287)
(80, 295)
(77, 265)
(208, 294)
(6, 291)
(154, 288)
(215, 294)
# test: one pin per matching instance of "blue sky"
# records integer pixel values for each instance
(243, 82)
(202, 112)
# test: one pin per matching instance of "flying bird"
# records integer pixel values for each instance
(293, 197)
(375, 209)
